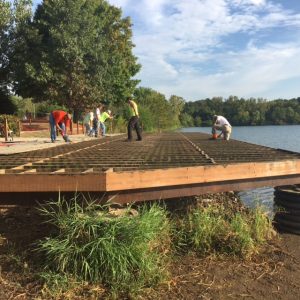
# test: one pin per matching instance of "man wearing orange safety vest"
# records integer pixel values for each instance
(134, 120)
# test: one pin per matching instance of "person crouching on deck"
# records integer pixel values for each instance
(134, 121)
(59, 119)
(222, 124)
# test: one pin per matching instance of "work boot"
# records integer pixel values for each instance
(66, 139)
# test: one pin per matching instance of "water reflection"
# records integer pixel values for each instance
(261, 196)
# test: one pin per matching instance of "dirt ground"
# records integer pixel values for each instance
(36, 140)
(273, 274)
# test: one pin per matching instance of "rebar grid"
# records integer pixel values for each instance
(156, 151)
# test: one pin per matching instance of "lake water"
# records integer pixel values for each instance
(281, 137)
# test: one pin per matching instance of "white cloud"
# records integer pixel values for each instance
(191, 48)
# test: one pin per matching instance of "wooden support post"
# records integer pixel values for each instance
(5, 129)
(20, 127)
(71, 127)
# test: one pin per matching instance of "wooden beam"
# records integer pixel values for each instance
(111, 181)
(169, 192)
(52, 182)
(202, 174)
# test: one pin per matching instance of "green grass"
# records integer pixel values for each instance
(213, 229)
(124, 253)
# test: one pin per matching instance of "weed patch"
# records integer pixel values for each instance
(124, 253)
(214, 229)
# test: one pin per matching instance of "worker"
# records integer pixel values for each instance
(134, 120)
(222, 124)
(96, 120)
(59, 119)
(88, 123)
(103, 117)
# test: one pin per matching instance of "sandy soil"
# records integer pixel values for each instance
(29, 143)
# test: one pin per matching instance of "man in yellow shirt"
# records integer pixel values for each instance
(134, 120)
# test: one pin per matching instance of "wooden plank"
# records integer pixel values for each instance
(28, 171)
(90, 170)
(169, 192)
(59, 171)
(52, 182)
(202, 174)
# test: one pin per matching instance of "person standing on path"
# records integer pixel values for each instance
(59, 119)
(103, 117)
(134, 120)
(88, 123)
(96, 121)
(222, 124)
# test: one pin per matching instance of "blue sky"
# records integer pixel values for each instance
(205, 48)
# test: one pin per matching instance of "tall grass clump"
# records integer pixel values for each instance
(214, 229)
(200, 230)
(262, 228)
(124, 252)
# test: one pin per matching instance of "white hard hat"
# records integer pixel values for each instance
(109, 111)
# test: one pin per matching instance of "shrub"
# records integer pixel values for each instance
(124, 253)
(13, 124)
(119, 125)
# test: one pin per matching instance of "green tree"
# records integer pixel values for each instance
(198, 122)
(6, 21)
(177, 104)
(77, 53)
(156, 107)
(186, 120)
(11, 19)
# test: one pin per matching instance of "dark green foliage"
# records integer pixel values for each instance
(13, 17)
(242, 112)
(158, 113)
(6, 19)
(45, 107)
(76, 53)
(7, 106)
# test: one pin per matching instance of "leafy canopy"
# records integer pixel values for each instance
(77, 53)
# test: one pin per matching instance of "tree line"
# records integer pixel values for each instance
(242, 112)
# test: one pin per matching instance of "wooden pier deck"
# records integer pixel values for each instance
(162, 166)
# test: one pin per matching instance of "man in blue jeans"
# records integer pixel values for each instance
(103, 117)
(59, 119)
